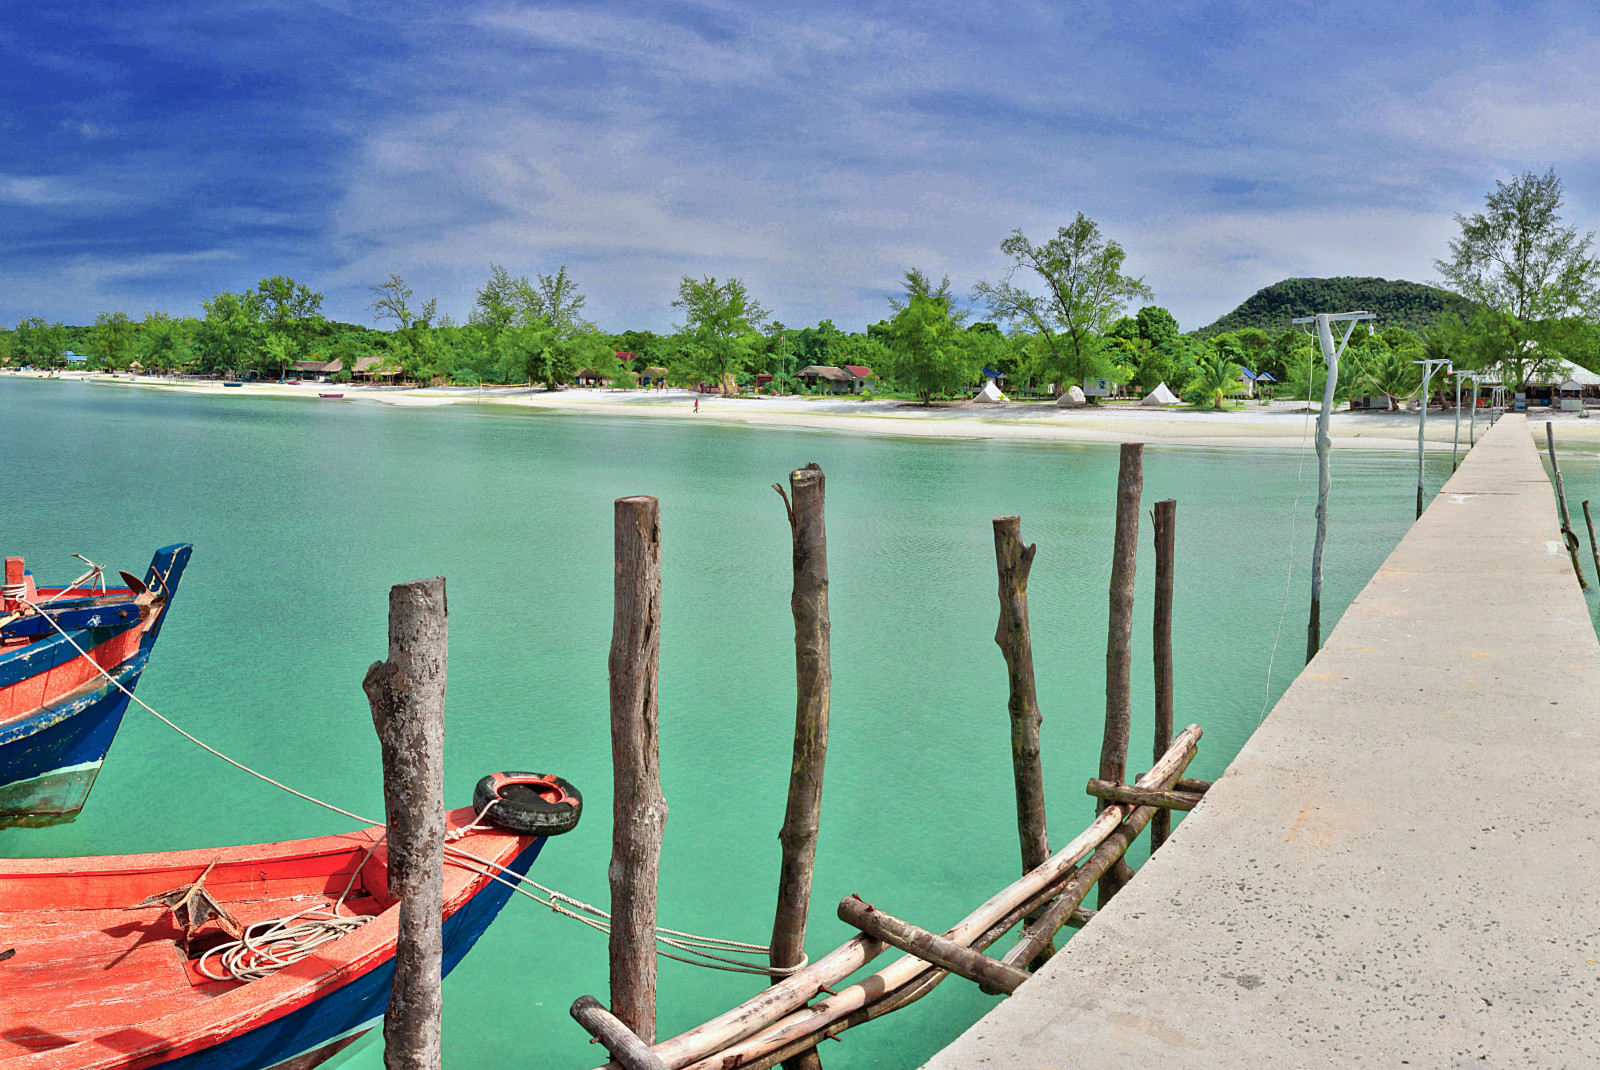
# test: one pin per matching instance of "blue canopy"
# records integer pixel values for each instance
(1265, 377)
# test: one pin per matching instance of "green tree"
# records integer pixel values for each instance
(291, 310)
(1391, 373)
(40, 344)
(1519, 263)
(720, 325)
(229, 336)
(499, 303)
(1156, 325)
(1217, 375)
(1085, 292)
(113, 339)
(162, 345)
(931, 353)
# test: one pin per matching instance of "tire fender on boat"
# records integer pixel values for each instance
(534, 804)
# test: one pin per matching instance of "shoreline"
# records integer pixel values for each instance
(1278, 425)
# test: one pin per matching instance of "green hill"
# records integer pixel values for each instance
(1396, 304)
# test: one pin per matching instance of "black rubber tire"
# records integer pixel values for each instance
(521, 809)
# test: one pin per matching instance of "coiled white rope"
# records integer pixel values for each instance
(256, 955)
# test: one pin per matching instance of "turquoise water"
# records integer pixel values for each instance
(303, 513)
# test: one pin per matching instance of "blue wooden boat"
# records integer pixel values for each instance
(58, 710)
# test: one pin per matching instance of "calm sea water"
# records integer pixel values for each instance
(303, 513)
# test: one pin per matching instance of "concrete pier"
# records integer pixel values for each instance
(1400, 867)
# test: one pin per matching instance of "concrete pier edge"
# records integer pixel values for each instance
(1400, 866)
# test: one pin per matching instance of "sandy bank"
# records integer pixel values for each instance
(1279, 425)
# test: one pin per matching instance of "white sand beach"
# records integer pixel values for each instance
(1278, 425)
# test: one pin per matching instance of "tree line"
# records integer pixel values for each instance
(1529, 293)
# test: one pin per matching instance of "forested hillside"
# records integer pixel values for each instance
(1411, 305)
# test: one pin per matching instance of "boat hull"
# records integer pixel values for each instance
(341, 1017)
(59, 713)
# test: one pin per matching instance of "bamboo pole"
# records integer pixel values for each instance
(810, 1021)
(625, 1047)
(931, 947)
(813, 683)
(1119, 639)
(1567, 535)
(1455, 443)
(1472, 420)
(406, 694)
(1162, 799)
(1014, 561)
(639, 813)
(1594, 550)
(1164, 519)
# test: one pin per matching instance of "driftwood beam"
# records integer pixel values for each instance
(406, 693)
(639, 813)
(1119, 638)
(625, 1047)
(1189, 784)
(1121, 793)
(1100, 863)
(931, 947)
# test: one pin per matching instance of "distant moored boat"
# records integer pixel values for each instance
(330, 395)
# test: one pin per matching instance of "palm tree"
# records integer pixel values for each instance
(1216, 376)
(1392, 374)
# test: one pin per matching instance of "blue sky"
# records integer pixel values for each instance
(152, 153)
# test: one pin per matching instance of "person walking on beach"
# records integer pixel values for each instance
(696, 404)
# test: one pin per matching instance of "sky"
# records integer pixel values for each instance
(152, 154)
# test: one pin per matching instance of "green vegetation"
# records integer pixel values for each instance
(1411, 305)
(1524, 292)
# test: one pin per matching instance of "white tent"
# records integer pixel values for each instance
(989, 395)
(1161, 396)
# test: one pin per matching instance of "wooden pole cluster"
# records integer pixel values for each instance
(639, 812)
(1567, 534)
(406, 694)
(625, 1047)
(813, 684)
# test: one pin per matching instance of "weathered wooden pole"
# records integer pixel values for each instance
(1567, 534)
(1594, 550)
(1330, 357)
(625, 1047)
(639, 813)
(1014, 561)
(1455, 443)
(1119, 638)
(1472, 420)
(943, 952)
(1164, 518)
(406, 693)
(813, 671)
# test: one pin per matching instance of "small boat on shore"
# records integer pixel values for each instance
(111, 963)
(232, 384)
(64, 651)
(330, 395)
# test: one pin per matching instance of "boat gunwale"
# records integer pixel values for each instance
(258, 1003)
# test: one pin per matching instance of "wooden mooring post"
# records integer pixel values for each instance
(1013, 561)
(625, 1047)
(639, 813)
(805, 504)
(1594, 550)
(406, 693)
(1119, 640)
(1164, 519)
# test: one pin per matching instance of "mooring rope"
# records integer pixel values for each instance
(1294, 515)
(256, 955)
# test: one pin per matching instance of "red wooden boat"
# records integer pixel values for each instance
(93, 977)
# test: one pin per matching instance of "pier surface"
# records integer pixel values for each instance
(1400, 866)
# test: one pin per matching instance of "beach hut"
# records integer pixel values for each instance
(1161, 396)
(989, 395)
